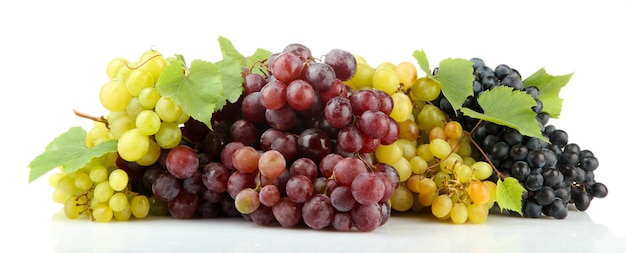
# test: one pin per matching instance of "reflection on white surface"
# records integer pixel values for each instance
(403, 233)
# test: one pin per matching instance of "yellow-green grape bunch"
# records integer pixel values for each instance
(140, 119)
(448, 179)
(99, 191)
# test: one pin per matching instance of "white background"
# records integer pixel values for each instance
(54, 54)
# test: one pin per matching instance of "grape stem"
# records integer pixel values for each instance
(100, 119)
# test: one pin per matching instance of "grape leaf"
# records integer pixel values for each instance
(250, 62)
(198, 90)
(230, 69)
(70, 151)
(513, 108)
(232, 80)
(228, 50)
(549, 87)
(422, 61)
(509, 194)
(456, 77)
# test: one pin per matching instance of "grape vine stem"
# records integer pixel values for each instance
(100, 119)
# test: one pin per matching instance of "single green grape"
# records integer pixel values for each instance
(423, 150)
(425, 89)
(440, 148)
(140, 206)
(82, 181)
(418, 165)
(402, 107)
(118, 179)
(98, 173)
(482, 170)
(441, 206)
(407, 73)
(66, 185)
(148, 97)
(388, 154)
(102, 213)
(133, 145)
(114, 96)
(118, 202)
(431, 116)
(458, 214)
(103, 192)
(386, 79)
(402, 199)
(426, 186)
(148, 122)
(120, 125)
(168, 136)
(167, 109)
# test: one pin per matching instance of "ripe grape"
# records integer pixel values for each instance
(287, 212)
(182, 161)
(342, 62)
(271, 164)
(317, 212)
(366, 217)
(320, 75)
(299, 188)
(300, 95)
(286, 67)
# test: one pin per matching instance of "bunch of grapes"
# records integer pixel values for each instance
(328, 142)
(143, 122)
(554, 173)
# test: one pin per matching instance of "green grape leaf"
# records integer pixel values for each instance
(422, 61)
(549, 87)
(232, 66)
(456, 77)
(509, 194)
(232, 80)
(230, 70)
(70, 151)
(198, 90)
(512, 108)
(229, 50)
